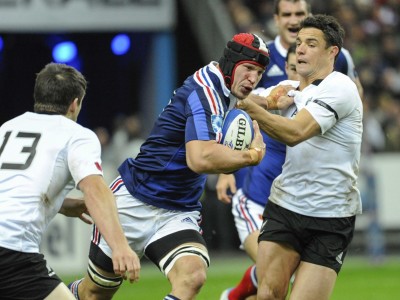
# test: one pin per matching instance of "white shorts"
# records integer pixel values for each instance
(144, 224)
(247, 215)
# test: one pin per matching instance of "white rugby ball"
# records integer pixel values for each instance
(237, 130)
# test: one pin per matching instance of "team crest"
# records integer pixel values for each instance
(216, 121)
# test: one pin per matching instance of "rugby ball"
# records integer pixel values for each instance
(237, 130)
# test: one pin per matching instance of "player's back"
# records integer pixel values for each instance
(35, 174)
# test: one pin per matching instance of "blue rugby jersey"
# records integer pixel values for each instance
(256, 181)
(159, 175)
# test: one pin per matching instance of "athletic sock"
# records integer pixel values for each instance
(73, 287)
(170, 297)
(246, 287)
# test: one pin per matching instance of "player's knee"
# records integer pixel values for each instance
(267, 292)
(185, 252)
(188, 274)
(197, 278)
(99, 286)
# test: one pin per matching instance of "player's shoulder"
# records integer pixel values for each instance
(339, 77)
(75, 131)
(339, 84)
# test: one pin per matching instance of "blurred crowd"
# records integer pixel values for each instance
(372, 37)
(119, 143)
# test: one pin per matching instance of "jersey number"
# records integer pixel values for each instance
(31, 149)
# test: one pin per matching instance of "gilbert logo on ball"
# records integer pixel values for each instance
(237, 130)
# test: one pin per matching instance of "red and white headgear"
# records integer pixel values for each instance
(243, 48)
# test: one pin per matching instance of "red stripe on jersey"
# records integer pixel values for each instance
(209, 94)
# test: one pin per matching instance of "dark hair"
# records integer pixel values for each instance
(276, 5)
(332, 30)
(290, 50)
(56, 86)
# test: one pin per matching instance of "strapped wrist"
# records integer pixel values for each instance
(255, 159)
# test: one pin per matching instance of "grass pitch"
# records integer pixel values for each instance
(358, 280)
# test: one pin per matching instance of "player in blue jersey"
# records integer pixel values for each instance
(251, 186)
(158, 192)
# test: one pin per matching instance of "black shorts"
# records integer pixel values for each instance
(25, 276)
(154, 252)
(321, 241)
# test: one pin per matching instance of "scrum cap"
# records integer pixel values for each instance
(243, 48)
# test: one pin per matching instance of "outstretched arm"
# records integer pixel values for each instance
(101, 205)
(288, 131)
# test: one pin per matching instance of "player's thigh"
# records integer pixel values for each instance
(139, 222)
(179, 236)
(60, 292)
(275, 264)
(251, 244)
(313, 282)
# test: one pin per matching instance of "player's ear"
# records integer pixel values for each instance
(74, 105)
(334, 51)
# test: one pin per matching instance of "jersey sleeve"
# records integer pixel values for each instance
(204, 116)
(84, 155)
(330, 103)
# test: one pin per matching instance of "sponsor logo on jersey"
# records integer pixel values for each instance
(187, 220)
(275, 71)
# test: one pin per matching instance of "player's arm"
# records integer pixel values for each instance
(225, 182)
(75, 208)
(211, 157)
(101, 205)
(274, 98)
(289, 131)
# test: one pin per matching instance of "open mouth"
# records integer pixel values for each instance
(293, 30)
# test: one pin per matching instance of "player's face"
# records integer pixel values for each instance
(291, 67)
(314, 59)
(245, 79)
(288, 20)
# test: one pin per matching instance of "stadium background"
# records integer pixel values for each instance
(169, 40)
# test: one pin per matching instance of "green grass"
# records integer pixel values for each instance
(358, 280)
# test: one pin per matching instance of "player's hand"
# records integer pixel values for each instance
(225, 187)
(126, 263)
(257, 146)
(278, 97)
(75, 208)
